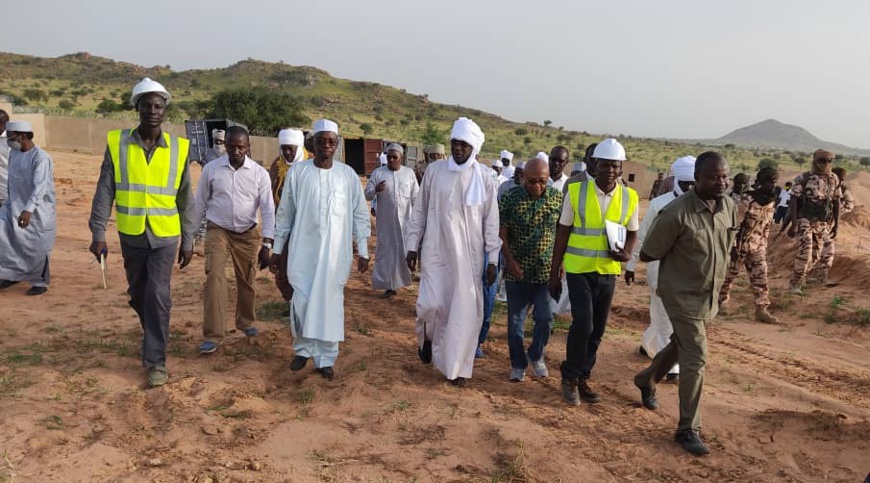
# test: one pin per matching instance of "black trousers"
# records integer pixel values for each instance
(591, 295)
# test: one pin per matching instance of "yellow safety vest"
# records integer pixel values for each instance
(588, 250)
(146, 189)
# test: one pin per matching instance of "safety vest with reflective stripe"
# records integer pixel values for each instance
(146, 189)
(588, 250)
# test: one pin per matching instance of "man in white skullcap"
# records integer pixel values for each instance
(658, 334)
(218, 146)
(291, 149)
(457, 211)
(145, 176)
(28, 224)
(395, 188)
(498, 170)
(322, 212)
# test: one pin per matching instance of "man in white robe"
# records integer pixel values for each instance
(507, 158)
(395, 188)
(322, 212)
(456, 216)
(658, 334)
(4, 156)
(28, 224)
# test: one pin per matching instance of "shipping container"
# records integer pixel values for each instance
(199, 134)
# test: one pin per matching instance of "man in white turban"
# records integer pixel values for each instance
(507, 158)
(658, 334)
(291, 149)
(322, 212)
(218, 146)
(395, 188)
(456, 217)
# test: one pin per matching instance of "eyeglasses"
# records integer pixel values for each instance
(542, 181)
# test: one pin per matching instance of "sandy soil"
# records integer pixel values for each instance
(782, 403)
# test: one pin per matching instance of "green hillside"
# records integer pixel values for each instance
(76, 84)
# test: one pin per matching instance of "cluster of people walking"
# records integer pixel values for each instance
(555, 241)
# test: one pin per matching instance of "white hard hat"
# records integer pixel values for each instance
(146, 86)
(609, 149)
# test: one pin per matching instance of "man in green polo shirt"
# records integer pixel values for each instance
(692, 237)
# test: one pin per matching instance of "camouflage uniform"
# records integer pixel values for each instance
(751, 247)
(825, 259)
(815, 194)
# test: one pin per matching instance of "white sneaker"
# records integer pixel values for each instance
(539, 368)
(517, 375)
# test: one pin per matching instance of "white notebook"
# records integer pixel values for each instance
(616, 234)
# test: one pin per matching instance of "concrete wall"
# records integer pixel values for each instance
(644, 176)
(37, 121)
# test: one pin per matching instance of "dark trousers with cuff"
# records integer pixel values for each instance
(590, 295)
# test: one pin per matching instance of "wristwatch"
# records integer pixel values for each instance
(267, 245)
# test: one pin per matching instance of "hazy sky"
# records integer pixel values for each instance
(681, 68)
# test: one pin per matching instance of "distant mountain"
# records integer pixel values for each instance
(775, 134)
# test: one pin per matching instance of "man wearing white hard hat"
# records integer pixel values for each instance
(395, 188)
(4, 156)
(658, 334)
(457, 211)
(291, 146)
(597, 230)
(145, 176)
(322, 212)
(28, 217)
(218, 145)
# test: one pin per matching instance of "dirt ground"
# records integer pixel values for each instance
(781, 403)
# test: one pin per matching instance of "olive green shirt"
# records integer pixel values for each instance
(693, 244)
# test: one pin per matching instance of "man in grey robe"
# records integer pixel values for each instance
(395, 187)
(28, 223)
(4, 156)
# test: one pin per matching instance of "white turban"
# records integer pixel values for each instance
(382, 159)
(292, 137)
(507, 155)
(325, 125)
(684, 169)
(218, 134)
(496, 163)
(542, 155)
(466, 130)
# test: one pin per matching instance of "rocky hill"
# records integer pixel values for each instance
(775, 134)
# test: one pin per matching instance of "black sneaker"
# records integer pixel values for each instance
(298, 363)
(648, 397)
(425, 352)
(569, 392)
(672, 377)
(691, 442)
(458, 382)
(6, 284)
(326, 372)
(586, 393)
(36, 291)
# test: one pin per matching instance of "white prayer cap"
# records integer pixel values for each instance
(496, 163)
(147, 86)
(507, 155)
(19, 126)
(382, 159)
(465, 129)
(292, 137)
(396, 147)
(325, 125)
(521, 165)
(218, 134)
(542, 155)
(684, 169)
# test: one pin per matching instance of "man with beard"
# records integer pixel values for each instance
(592, 262)
(322, 212)
(232, 191)
(395, 188)
(28, 220)
(456, 216)
(755, 214)
(815, 210)
(145, 175)
(291, 146)
(691, 237)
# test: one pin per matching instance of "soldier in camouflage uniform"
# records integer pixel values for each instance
(755, 214)
(738, 187)
(825, 261)
(815, 209)
(430, 155)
